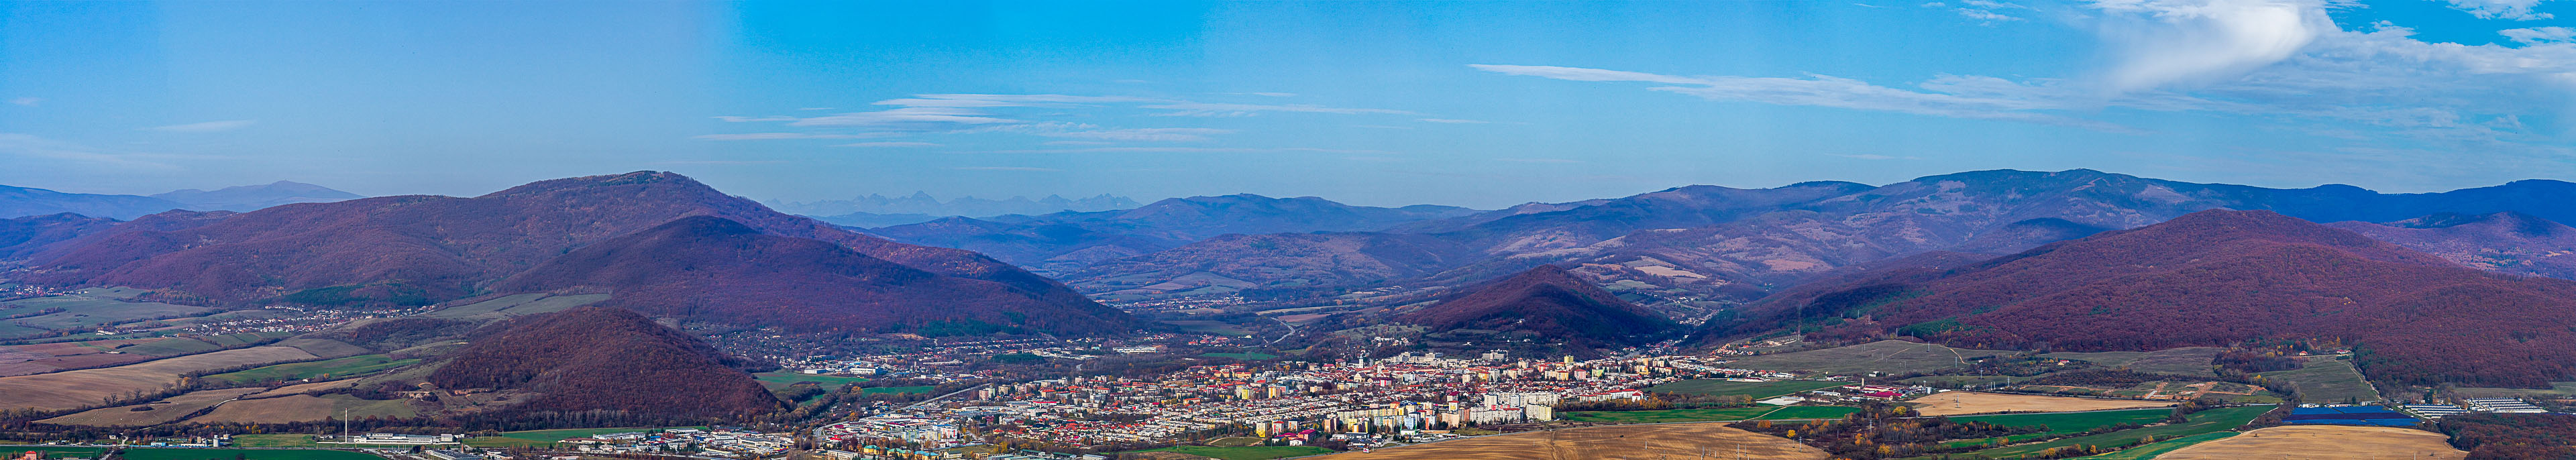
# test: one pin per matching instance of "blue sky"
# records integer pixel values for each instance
(1481, 104)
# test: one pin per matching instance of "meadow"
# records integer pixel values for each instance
(2160, 447)
(1756, 390)
(777, 380)
(2061, 424)
(331, 368)
(1966, 402)
(2207, 421)
(2327, 380)
(1887, 356)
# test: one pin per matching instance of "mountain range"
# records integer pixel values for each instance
(416, 250)
(1741, 243)
(23, 202)
(2210, 278)
(1057, 242)
(879, 209)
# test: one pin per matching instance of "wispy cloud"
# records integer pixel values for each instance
(777, 136)
(23, 148)
(1821, 91)
(2519, 10)
(1539, 160)
(888, 144)
(2540, 35)
(28, 101)
(1456, 121)
(908, 118)
(1207, 109)
(205, 127)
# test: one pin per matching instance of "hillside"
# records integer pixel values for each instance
(255, 197)
(1070, 241)
(603, 359)
(705, 268)
(2211, 278)
(2508, 242)
(423, 249)
(22, 237)
(1549, 303)
(23, 202)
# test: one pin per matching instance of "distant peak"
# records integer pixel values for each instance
(663, 178)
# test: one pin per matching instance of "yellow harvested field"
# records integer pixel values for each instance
(2301, 442)
(1685, 440)
(1965, 402)
(297, 408)
(90, 387)
(163, 411)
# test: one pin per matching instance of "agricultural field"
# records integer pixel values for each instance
(1670, 415)
(1885, 356)
(2160, 447)
(325, 369)
(2193, 361)
(2555, 390)
(549, 437)
(305, 408)
(86, 311)
(12, 451)
(157, 412)
(516, 305)
(305, 388)
(1808, 413)
(777, 380)
(2207, 421)
(2327, 380)
(2168, 390)
(2102, 358)
(2061, 424)
(248, 454)
(1245, 452)
(1756, 390)
(1689, 440)
(2324, 441)
(87, 387)
(1965, 402)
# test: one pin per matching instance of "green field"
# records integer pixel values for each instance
(2161, 447)
(2193, 361)
(2207, 421)
(894, 390)
(343, 367)
(1242, 356)
(81, 311)
(517, 305)
(2104, 358)
(2061, 424)
(1670, 415)
(2327, 380)
(251, 454)
(11, 451)
(1757, 390)
(1887, 356)
(2555, 390)
(776, 380)
(1245, 453)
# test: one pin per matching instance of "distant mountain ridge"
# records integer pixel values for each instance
(256, 197)
(2211, 278)
(413, 250)
(23, 202)
(2508, 242)
(1064, 241)
(921, 203)
(1721, 240)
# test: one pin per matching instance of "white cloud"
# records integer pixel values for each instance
(1208, 109)
(931, 118)
(1985, 10)
(1008, 100)
(888, 144)
(1823, 91)
(778, 136)
(2190, 42)
(27, 101)
(2519, 10)
(2540, 35)
(205, 127)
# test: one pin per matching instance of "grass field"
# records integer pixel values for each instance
(83, 311)
(890, 390)
(1669, 415)
(2193, 361)
(250, 454)
(1676, 441)
(1889, 356)
(2160, 447)
(2324, 441)
(2104, 358)
(164, 411)
(305, 408)
(776, 380)
(1241, 356)
(332, 368)
(12, 451)
(1808, 412)
(2327, 380)
(1246, 452)
(2207, 421)
(1966, 402)
(517, 305)
(2063, 424)
(2555, 390)
(1757, 390)
(86, 387)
